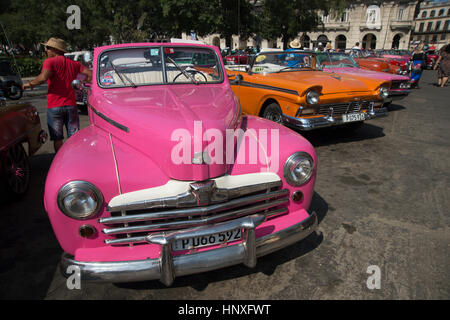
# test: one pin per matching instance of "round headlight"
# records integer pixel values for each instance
(79, 200)
(384, 92)
(298, 169)
(312, 97)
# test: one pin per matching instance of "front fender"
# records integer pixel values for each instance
(88, 156)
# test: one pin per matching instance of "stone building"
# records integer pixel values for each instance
(432, 24)
(375, 24)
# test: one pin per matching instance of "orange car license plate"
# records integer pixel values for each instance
(352, 117)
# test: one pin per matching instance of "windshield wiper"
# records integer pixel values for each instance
(183, 71)
(121, 74)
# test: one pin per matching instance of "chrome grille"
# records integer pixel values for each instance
(343, 108)
(132, 223)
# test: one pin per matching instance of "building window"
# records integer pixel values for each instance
(433, 13)
(424, 14)
(369, 41)
(401, 11)
(305, 40)
(344, 17)
(341, 42)
(438, 26)
(396, 41)
(429, 26)
(443, 36)
(434, 39)
(446, 25)
(422, 25)
(441, 12)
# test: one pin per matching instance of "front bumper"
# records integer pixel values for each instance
(167, 267)
(328, 121)
(395, 95)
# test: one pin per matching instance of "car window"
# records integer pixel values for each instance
(273, 62)
(159, 65)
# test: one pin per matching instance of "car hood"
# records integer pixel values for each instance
(169, 123)
(303, 80)
(367, 73)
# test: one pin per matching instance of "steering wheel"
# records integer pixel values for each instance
(193, 72)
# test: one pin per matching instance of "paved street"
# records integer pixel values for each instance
(382, 196)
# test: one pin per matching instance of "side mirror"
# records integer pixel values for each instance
(88, 57)
(237, 79)
(76, 85)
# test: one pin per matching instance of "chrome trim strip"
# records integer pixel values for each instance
(142, 239)
(264, 86)
(196, 222)
(110, 121)
(189, 198)
(179, 213)
(167, 268)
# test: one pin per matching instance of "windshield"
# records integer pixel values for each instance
(273, 62)
(335, 60)
(158, 65)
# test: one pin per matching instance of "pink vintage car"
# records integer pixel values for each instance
(149, 190)
(342, 63)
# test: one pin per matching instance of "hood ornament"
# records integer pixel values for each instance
(203, 192)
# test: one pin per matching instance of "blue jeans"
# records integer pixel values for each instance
(59, 117)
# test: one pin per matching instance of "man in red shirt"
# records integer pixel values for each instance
(61, 103)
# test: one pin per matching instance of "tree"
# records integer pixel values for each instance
(285, 19)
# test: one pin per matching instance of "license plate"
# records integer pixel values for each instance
(209, 240)
(353, 117)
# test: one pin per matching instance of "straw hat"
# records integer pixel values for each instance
(56, 43)
(295, 44)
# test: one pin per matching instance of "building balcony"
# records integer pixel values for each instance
(402, 25)
(365, 26)
(337, 26)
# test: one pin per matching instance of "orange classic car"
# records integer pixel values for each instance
(286, 88)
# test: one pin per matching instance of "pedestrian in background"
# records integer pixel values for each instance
(418, 63)
(59, 72)
(443, 65)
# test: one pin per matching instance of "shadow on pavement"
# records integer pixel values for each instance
(336, 135)
(267, 264)
(395, 107)
(29, 251)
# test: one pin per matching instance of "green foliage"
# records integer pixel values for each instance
(29, 22)
(29, 66)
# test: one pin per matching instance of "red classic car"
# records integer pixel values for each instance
(239, 57)
(397, 58)
(370, 62)
(19, 123)
(432, 56)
